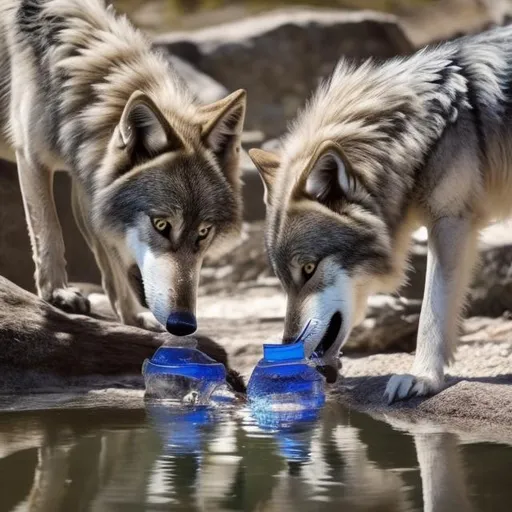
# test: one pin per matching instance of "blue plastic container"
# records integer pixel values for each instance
(284, 380)
(183, 375)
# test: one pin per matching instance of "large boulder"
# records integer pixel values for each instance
(279, 57)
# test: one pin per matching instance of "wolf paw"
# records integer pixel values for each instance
(401, 387)
(70, 300)
(146, 320)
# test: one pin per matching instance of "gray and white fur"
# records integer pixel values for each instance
(155, 174)
(381, 149)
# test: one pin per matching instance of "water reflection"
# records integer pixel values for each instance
(157, 459)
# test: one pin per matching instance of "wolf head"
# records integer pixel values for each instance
(170, 192)
(326, 241)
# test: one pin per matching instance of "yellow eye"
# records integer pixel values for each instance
(203, 232)
(160, 224)
(309, 269)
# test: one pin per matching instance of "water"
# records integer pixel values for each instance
(134, 459)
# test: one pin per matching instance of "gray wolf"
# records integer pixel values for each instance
(380, 150)
(155, 174)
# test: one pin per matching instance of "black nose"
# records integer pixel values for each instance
(181, 323)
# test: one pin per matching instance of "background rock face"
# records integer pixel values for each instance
(280, 57)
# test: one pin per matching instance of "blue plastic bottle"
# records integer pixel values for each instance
(284, 380)
(183, 375)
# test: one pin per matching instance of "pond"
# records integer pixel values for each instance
(147, 457)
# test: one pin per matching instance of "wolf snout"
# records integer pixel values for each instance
(181, 323)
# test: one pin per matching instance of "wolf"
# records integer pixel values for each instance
(381, 149)
(155, 178)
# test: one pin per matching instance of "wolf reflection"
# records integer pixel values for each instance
(113, 460)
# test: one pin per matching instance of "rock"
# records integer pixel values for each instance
(391, 324)
(435, 22)
(43, 348)
(279, 57)
(247, 262)
(272, 145)
(490, 293)
(203, 86)
(252, 190)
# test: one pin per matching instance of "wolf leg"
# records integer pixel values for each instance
(36, 181)
(451, 253)
(442, 472)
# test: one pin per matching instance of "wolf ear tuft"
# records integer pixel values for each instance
(267, 164)
(222, 128)
(144, 129)
(328, 175)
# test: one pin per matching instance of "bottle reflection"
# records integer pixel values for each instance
(293, 432)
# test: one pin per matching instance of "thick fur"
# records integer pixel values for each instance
(380, 150)
(81, 90)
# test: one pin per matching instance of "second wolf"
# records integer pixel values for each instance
(155, 174)
(381, 150)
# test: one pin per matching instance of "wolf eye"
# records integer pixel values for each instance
(204, 232)
(309, 269)
(161, 225)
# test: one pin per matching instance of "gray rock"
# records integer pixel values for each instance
(272, 145)
(490, 293)
(203, 86)
(279, 57)
(391, 324)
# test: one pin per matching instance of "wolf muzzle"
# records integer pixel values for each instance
(181, 323)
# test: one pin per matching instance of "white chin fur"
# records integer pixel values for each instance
(157, 274)
(339, 297)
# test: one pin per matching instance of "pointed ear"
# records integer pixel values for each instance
(328, 176)
(144, 130)
(222, 129)
(267, 164)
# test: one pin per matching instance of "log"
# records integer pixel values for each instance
(44, 348)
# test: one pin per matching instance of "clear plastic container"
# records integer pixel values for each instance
(184, 375)
(284, 380)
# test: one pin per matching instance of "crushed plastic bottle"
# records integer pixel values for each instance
(185, 376)
(285, 380)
